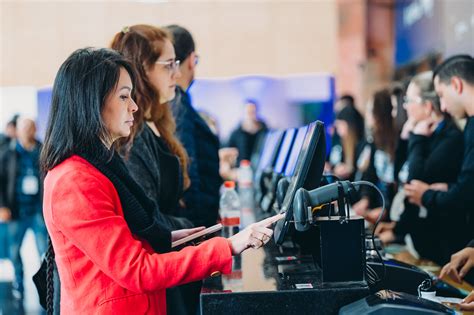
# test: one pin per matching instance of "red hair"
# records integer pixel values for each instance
(143, 45)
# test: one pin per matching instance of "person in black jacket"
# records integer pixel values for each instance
(349, 129)
(435, 152)
(21, 196)
(454, 83)
(247, 133)
(376, 160)
(156, 158)
(9, 137)
(201, 199)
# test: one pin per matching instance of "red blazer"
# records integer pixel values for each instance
(104, 269)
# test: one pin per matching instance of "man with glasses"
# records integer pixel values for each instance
(201, 199)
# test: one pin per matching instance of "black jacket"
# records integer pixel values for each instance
(458, 201)
(435, 159)
(245, 142)
(370, 174)
(145, 163)
(8, 177)
(202, 146)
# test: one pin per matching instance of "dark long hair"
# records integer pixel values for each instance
(385, 133)
(75, 124)
(80, 89)
(143, 45)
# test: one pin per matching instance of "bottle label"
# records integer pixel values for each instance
(245, 184)
(230, 221)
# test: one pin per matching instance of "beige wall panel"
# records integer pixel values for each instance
(233, 38)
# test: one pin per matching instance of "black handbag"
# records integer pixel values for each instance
(40, 279)
(40, 282)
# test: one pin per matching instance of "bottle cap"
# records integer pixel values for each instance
(245, 163)
(229, 184)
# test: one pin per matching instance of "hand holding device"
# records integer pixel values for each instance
(468, 303)
(179, 234)
(183, 236)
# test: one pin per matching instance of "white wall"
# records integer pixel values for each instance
(17, 100)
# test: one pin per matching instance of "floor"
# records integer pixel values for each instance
(31, 261)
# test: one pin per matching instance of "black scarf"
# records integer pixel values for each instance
(138, 209)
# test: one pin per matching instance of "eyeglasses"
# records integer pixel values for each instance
(196, 59)
(172, 65)
(417, 100)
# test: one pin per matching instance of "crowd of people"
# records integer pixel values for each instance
(128, 166)
(423, 164)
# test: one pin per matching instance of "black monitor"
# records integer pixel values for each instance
(258, 148)
(270, 149)
(308, 171)
(295, 150)
(285, 148)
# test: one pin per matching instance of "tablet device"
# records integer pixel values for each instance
(209, 230)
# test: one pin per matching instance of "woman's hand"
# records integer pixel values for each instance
(255, 235)
(461, 262)
(384, 226)
(407, 128)
(361, 207)
(5, 214)
(387, 237)
(179, 234)
(343, 170)
(425, 127)
(468, 303)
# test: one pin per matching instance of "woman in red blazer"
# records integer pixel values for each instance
(107, 242)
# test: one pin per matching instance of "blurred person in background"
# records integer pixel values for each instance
(399, 114)
(245, 136)
(454, 84)
(9, 137)
(227, 163)
(21, 196)
(210, 120)
(376, 160)
(435, 153)
(201, 199)
(343, 102)
(347, 139)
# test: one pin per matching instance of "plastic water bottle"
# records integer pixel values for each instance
(245, 175)
(245, 178)
(229, 205)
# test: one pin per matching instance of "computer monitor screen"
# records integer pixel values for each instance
(308, 171)
(284, 151)
(270, 149)
(258, 148)
(295, 150)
